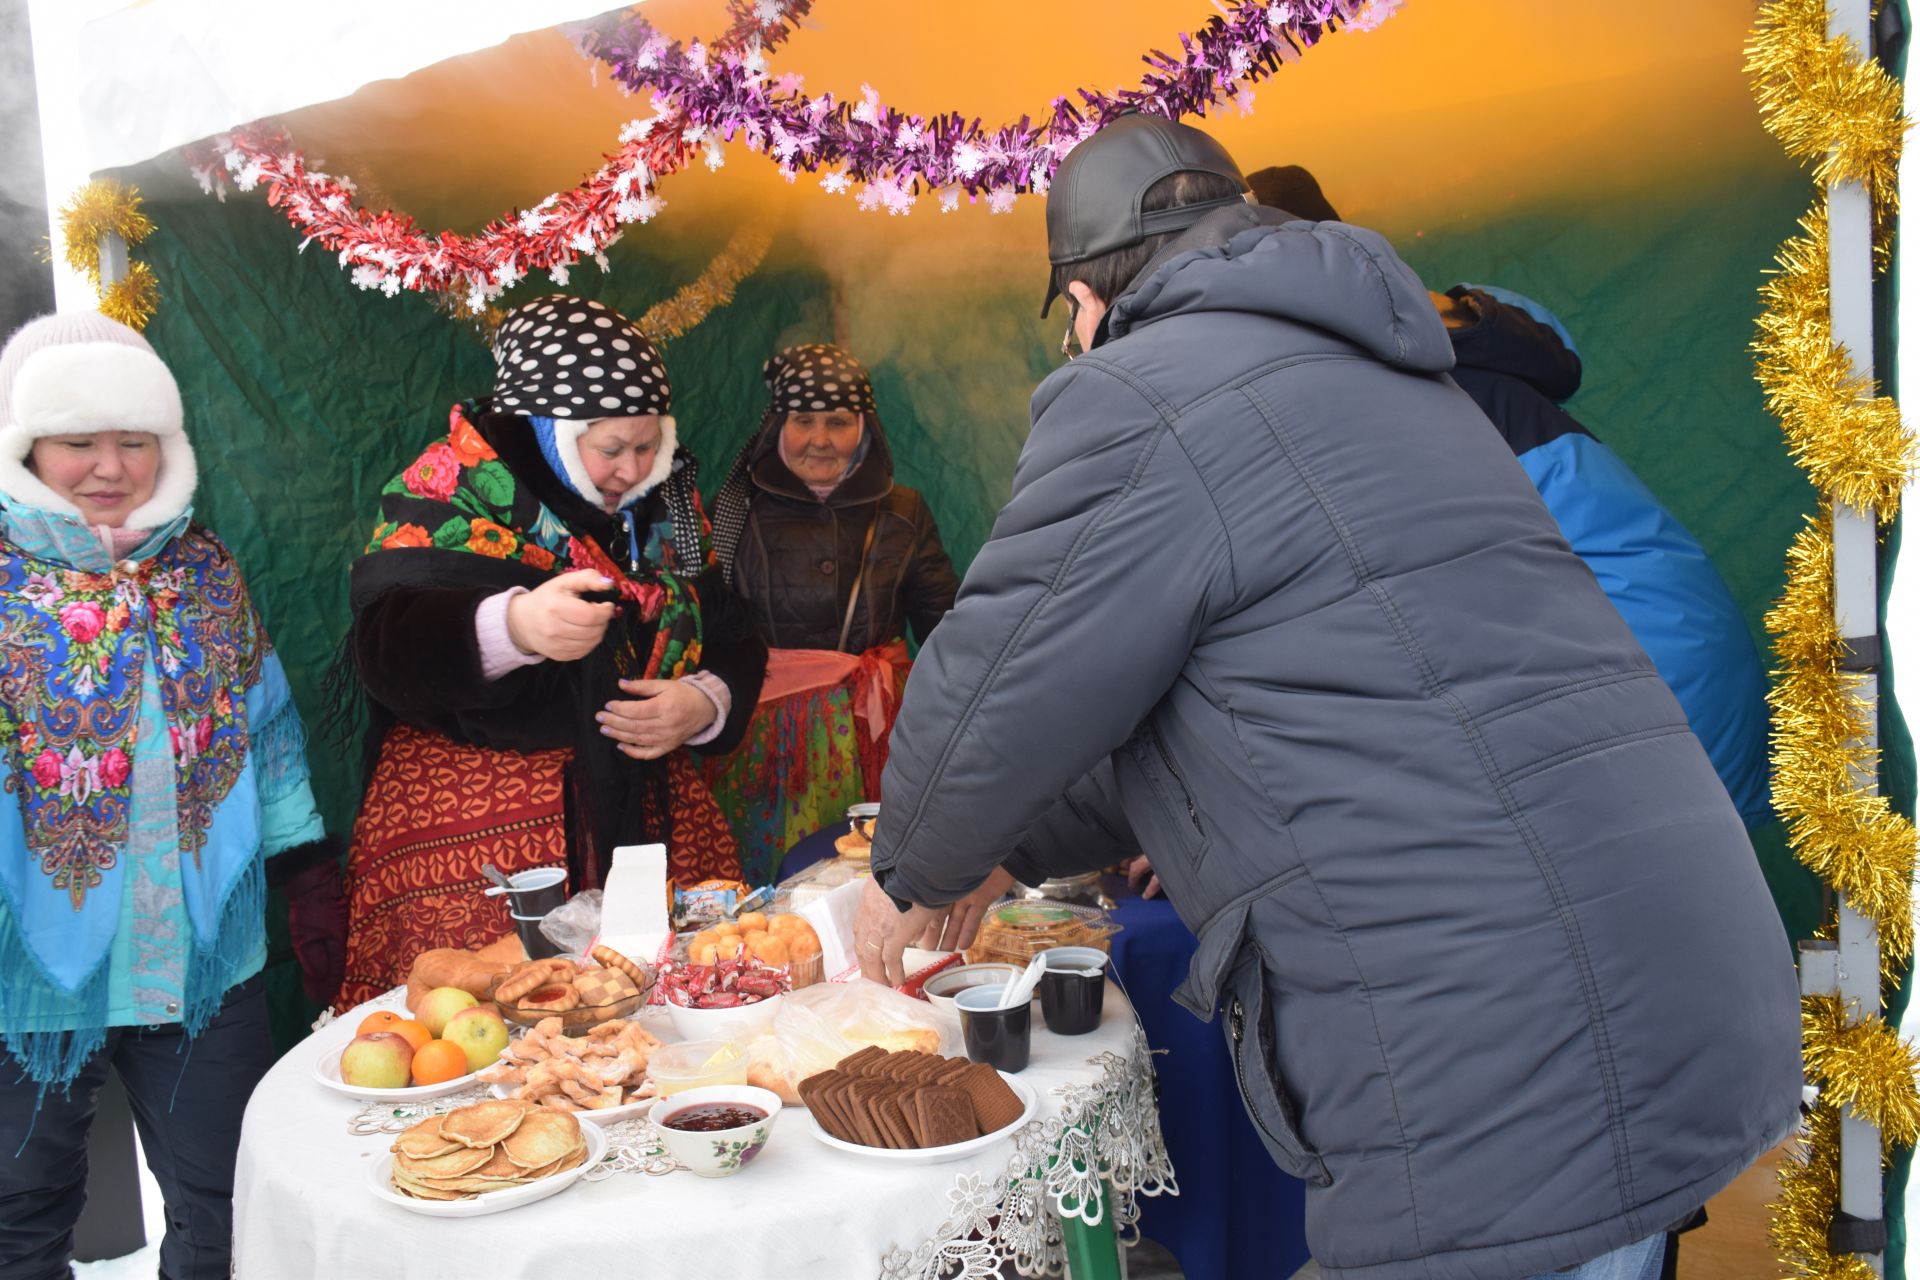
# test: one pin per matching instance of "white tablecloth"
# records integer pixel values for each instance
(801, 1210)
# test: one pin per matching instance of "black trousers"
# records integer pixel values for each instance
(188, 1098)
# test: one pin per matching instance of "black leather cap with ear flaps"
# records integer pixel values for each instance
(1093, 206)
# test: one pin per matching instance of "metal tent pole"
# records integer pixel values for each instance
(1851, 969)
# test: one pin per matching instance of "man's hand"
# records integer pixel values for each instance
(881, 932)
(1140, 869)
(664, 714)
(554, 622)
(962, 921)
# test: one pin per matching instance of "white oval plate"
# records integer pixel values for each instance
(380, 1182)
(607, 1115)
(326, 1069)
(937, 1155)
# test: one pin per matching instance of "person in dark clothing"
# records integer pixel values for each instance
(1513, 358)
(1501, 979)
(540, 629)
(837, 562)
(832, 552)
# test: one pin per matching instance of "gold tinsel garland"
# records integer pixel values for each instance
(1828, 103)
(665, 321)
(1852, 443)
(676, 316)
(1809, 1193)
(89, 216)
(1862, 1064)
(1849, 837)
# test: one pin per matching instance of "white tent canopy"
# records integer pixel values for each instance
(121, 81)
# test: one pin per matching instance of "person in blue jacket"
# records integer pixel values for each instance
(1519, 365)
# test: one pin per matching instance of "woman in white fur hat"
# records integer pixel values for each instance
(156, 781)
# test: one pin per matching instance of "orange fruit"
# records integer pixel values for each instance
(438, 1061)
(727, 927)
(414, 1034)
(381, 1021)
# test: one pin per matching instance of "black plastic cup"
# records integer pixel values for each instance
(536, 892)
(1071, 1001)
(539, 946)
(1001, 1038)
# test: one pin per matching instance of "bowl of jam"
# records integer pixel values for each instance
(718, 1130)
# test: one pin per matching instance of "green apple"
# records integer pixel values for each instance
(480, 1032)
(439, 1005)
(382, 1060)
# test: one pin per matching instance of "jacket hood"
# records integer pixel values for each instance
(871, 480)
(1505, 339)
(1343, 279)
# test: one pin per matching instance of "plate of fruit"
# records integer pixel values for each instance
(394, 1058)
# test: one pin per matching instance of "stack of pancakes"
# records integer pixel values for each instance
(489, 1146)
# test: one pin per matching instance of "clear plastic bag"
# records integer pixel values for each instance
(819, 1025)
(574, 924)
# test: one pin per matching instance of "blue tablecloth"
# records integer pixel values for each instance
(1237, 1216)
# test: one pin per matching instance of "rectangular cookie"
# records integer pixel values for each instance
(995, 1105)
(814, 1090)
(862, 1095)
(860, 1061)
(945, 1116)
(891, 1110)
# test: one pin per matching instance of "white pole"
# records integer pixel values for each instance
(1856, 610)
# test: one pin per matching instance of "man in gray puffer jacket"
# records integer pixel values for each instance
(1269, 601)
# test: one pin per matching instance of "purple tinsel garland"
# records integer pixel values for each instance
(733, 94)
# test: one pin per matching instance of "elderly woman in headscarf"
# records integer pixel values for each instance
(156, 785)
(837, 562)
(541, 630)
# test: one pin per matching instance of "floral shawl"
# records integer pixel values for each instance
(82, 641)
(458, 496)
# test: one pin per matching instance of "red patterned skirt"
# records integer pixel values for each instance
(437, 810)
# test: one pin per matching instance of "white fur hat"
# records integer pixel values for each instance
(79, 372)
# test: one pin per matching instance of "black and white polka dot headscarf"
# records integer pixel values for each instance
(815, 378)
(561, 357)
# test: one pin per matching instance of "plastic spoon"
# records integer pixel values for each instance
(1020, 990)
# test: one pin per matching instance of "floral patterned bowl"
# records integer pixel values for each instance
(716, 1153)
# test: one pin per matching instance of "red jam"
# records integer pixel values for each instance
(711, 1117)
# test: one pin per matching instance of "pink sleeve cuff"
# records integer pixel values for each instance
(719, 695)
(498, 653)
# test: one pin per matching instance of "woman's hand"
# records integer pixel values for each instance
(664, 714)
(554, 622)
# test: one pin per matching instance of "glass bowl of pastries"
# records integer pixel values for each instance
(584, 993)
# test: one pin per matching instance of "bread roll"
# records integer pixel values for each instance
(768, 949)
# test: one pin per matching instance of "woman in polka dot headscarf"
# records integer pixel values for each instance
(836, 562)
(540, 628)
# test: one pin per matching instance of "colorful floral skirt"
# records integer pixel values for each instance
(817, 743)
(437, 810)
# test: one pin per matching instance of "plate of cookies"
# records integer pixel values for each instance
(599, 1076)
(910, 1107)
(581, 993)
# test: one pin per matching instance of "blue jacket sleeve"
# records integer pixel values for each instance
(1660, 579)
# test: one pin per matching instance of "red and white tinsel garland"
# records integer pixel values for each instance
(705, 96)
